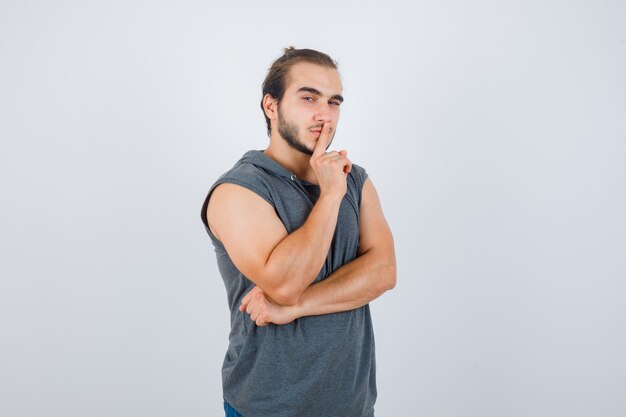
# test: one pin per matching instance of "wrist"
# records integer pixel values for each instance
(297, 310)
(333, 198)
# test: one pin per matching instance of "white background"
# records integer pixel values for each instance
(495, 133)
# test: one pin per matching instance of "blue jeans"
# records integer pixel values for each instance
(231, 412)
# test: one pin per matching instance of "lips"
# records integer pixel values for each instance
(316, 133)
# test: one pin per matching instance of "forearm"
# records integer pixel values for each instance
(351, 286)
(299, 257)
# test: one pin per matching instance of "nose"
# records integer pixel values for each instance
(323, 113)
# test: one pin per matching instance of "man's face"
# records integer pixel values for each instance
(312, 97)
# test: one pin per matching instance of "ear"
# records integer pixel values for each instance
(270, 105)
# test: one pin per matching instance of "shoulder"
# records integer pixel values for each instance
(234, 199)
(243, 184)
(248, 176)
(245, 171)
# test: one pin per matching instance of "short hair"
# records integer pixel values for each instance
(275, 82)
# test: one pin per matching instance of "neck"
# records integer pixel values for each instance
(291, 159)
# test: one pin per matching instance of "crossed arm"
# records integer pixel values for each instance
(353, 285)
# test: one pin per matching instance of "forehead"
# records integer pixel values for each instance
(320, 77)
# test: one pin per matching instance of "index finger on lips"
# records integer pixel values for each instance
(322, 141)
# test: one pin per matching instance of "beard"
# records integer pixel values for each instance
(289, 132)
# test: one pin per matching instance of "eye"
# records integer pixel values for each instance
(308, 97)
(335, 103)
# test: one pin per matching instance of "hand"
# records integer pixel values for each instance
(263, 310)
(331, 168)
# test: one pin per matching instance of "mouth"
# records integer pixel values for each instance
(316, 133)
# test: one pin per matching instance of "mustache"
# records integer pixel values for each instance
(317, 126)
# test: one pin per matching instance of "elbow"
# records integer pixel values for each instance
(279, 291)
(391, 276)
(385, 278)
(387, 265)
(284, 297)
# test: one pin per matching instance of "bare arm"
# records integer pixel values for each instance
(351, 286)
(281, 264)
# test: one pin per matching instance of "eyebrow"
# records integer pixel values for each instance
(317, 92)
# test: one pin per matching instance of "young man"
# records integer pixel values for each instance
(302, 246)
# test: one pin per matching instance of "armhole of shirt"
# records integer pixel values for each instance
(238, 181)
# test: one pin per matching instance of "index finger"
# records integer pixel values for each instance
(323, 140)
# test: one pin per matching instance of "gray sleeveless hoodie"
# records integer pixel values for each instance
(316, 366)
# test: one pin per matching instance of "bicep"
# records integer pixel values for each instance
(249, 229)
(374, 232)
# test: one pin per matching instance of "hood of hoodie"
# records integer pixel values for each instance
(259, 159)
